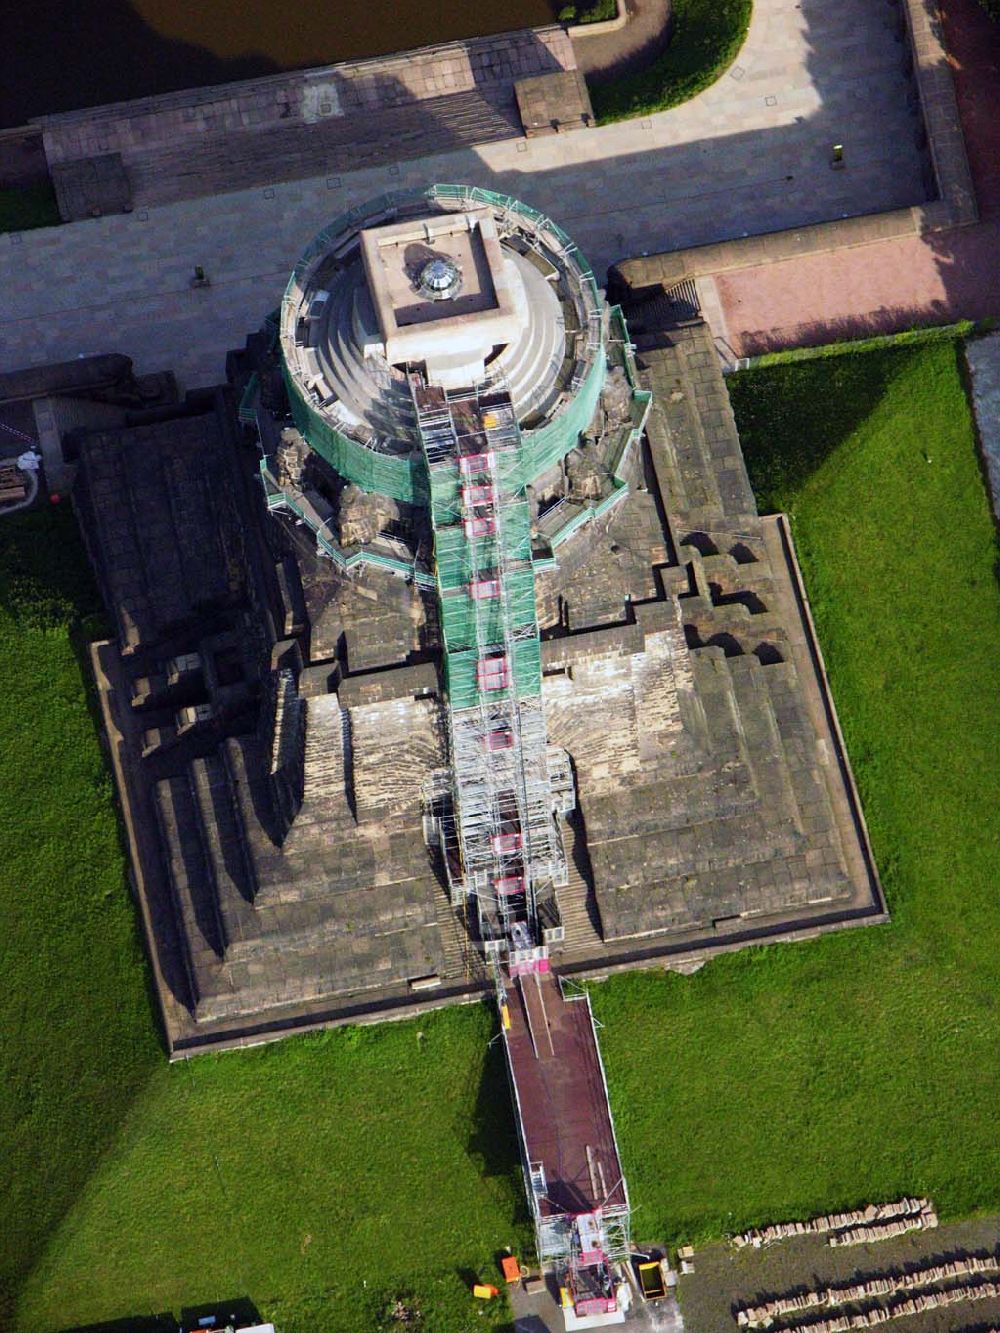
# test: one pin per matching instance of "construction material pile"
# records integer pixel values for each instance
(879, 1221)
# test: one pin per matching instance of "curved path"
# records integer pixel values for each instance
(749, 154)
(605, 56)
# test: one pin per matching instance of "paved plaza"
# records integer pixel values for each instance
(751, 154)
(892, 284)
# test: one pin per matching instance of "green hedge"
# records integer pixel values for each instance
(25, 206)
(589, 11)
(932, 333)
(705, 40)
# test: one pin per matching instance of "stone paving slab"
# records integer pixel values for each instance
(749, 155)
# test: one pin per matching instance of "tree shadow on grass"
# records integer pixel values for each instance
(45, 579)
(240, 1311)
(792, 417)
(492, 1142)
(46, 585)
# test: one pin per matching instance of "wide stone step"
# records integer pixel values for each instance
(243, 159)
(228, 863)
(190, 879)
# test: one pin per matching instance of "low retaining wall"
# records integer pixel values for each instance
(954, 206)
(308, 97)
(603, 26)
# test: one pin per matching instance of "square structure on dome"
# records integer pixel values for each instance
(440, 287)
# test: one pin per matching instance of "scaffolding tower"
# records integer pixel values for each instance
(507, 852)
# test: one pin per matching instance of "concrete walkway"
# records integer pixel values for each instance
(894, 284)
(750, 154)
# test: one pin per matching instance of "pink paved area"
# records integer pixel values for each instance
(890, 285)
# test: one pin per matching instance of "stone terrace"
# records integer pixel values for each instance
(336, 119)
(276, 726)
(710, 780)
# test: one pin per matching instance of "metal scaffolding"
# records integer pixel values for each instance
(509, 847)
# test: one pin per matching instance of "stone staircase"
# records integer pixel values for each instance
(595, 721)
(577, 904)
(242, 158)
(229, 866)
(325, 774)
(462, 961)
(397, 745)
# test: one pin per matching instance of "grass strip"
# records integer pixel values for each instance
(786, 1081)
(705, 38)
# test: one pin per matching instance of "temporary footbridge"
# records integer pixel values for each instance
(505, 847)
(391, 314)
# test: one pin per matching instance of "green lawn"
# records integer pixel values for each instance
(324, 1176)
(705, 39)
(785, 1081)
(76, 1040)
(319, 1177)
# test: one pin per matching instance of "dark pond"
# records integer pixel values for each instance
(57, 55)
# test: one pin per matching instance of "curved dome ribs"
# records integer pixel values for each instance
(333, 344)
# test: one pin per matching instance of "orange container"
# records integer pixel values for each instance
(511, 1268)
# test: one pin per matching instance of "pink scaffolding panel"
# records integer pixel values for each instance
(501, 739)
(484, 588)
(493, 673)
(473, 465)
(506, 843)
(481, 493)
(480, 527)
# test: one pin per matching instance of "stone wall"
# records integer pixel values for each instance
(488, 65)
(954, 204)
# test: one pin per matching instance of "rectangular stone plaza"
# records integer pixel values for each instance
(749, 155)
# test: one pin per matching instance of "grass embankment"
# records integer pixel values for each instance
(25, 206)
(786, 1081)
(319, 1178)
(77, 1042)
(589, 11)
(705, 38)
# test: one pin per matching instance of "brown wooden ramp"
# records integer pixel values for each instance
(562, 1104)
